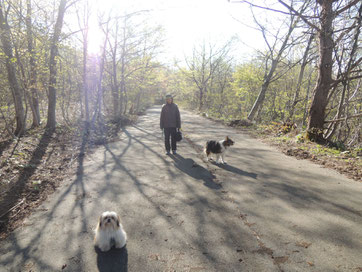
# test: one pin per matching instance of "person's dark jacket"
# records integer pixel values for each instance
(170, 116)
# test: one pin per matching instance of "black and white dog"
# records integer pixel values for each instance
(218, 148)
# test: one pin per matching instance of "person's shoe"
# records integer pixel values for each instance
(174, 152)
(168, 153)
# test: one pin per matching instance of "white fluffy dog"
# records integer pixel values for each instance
(109, 231)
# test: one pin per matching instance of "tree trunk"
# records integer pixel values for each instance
(85, 82)
(122, 83)
(115, 88)
(122, 95)
(321, 90)
(52, 95)
(305, 110)
(333, 127)
(33, 96)
(138, 101)
(300, 78)
(268, 76)
(201, 98)
(100, 79)
(115, 95)
(84, 26)
(260, 99)
(125, 99)
(7, 47)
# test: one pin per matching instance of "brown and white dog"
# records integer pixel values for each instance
(218, 148)
(109, 231)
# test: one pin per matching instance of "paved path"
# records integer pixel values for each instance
(263, 211)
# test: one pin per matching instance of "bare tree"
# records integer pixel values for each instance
(101, 65)
(272, 58)
(84, 26)
(131, 49)
(33, 97)
(303, 65)
(344, 74)
(52, 96)
(113, 48)
(203, 65)
(327, 44)
(7, 46)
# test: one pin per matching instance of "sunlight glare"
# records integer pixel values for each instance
(187, 23)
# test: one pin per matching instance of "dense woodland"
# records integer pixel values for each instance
(309, 73)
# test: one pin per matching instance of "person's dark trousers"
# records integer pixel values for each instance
(170, 132)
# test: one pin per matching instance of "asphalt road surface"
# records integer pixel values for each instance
(263, 211)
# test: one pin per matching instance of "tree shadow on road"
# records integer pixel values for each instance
(4, 145)
(14, 195)
(196, 171)
(24, 252)
(113, 260)
(235, 170)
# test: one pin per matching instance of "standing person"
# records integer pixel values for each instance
(170, 122)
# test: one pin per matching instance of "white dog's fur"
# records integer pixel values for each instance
(109, 230)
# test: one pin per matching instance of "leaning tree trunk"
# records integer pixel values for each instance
(52, 95)
(33, 97)
(7, 47)
(321, 90)
(268, 76)
(260, 99)
(306, 99)
(300, 79)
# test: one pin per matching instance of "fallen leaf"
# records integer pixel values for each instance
(279, 260)
(242, 215)
(154, 257)
(196, 268)
(303, 244)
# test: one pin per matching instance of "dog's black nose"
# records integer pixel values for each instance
(109, 220)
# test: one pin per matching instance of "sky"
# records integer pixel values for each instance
(188, 23)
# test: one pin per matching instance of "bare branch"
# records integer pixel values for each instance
(262, 28)
(343, 119)
(304, 18)
(353, 3)
(261, 7)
